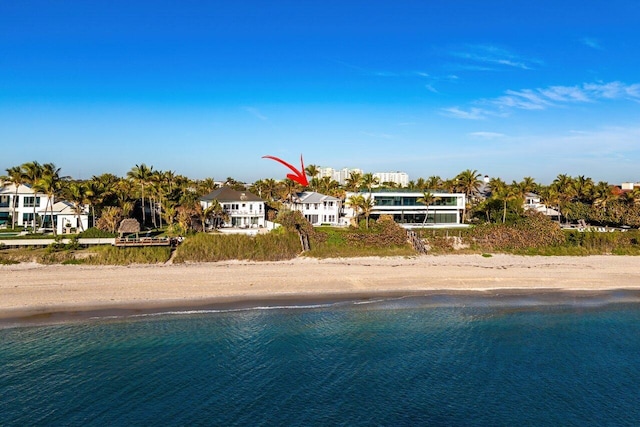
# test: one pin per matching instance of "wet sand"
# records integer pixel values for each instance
(50, 292)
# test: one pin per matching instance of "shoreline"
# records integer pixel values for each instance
(41, 294)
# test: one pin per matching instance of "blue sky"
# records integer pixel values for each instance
(206, 88)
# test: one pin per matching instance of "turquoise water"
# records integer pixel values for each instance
(401, 362)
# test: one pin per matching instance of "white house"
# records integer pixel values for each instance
(446, 210)
(28, 204)
(245, 209)
(317, 208)
(66, 218)
(533, 201)
(24, 206)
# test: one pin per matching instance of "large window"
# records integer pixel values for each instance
(413, 201)
(4, 201)
(31, 202)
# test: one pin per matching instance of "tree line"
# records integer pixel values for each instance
(165, 199)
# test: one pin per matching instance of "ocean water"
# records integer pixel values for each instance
(416, 361)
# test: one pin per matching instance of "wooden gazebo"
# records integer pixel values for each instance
(129, 226)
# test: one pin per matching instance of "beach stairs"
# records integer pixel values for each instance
(416, 242)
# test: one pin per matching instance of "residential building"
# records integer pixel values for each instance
(29, 204)
(26, 204)
(404, 205)
(629, 185)
(66, 218)
(399, 178)
(244, 209)
(532, 201)
(317, 208)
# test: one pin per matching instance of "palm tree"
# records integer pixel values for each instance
(361, 205)
(434, 182)
(566, 191)
(368, 180)
(583, 188)
(604, 197)
(355, 202)
(312, 170)
(468, 182)
(98, 191)
(218, 213)
(367, 207)
(205, 186)
(528, 184)
(15, 177)
(142, 175)
(79, 194)
(31, 173)
(122, 191)
(354, 182)
(427, 199)
(49, 183)
(549, 197)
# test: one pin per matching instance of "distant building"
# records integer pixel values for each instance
(399, 178)
(533, 202)
(629, 185)
(317, 208)
(339, 175)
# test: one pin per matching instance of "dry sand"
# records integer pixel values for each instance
(36, 290)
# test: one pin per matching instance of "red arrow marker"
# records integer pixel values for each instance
(298, 176)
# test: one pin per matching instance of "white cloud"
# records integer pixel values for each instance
(552, 96)
(256, 113)
(592, 43)
(492, 55)
(470, 114)
(487, 135)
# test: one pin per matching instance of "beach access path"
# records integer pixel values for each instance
(32, 289)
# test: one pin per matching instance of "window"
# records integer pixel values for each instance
(4, 201)
(30, 202)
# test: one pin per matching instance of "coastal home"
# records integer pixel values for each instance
(66, 218)
(317, 208)
(21, 203)
(532, 201)
(445, 211)
(244, 209)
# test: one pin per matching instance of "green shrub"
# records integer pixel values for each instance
(533, 230)
(94, 233)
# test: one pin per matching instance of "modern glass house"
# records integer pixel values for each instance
(407, 208)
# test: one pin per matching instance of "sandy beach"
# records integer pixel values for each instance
(31, 290)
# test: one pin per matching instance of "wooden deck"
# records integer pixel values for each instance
(143, 241)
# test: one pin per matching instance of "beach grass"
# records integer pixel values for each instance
(111, 255)
(203, 247)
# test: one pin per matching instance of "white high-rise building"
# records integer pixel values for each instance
(400, 178)
(340, 175)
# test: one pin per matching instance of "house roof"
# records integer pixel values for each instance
(226, 194)
(129, 225)
(10, 189)
(313, 197)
